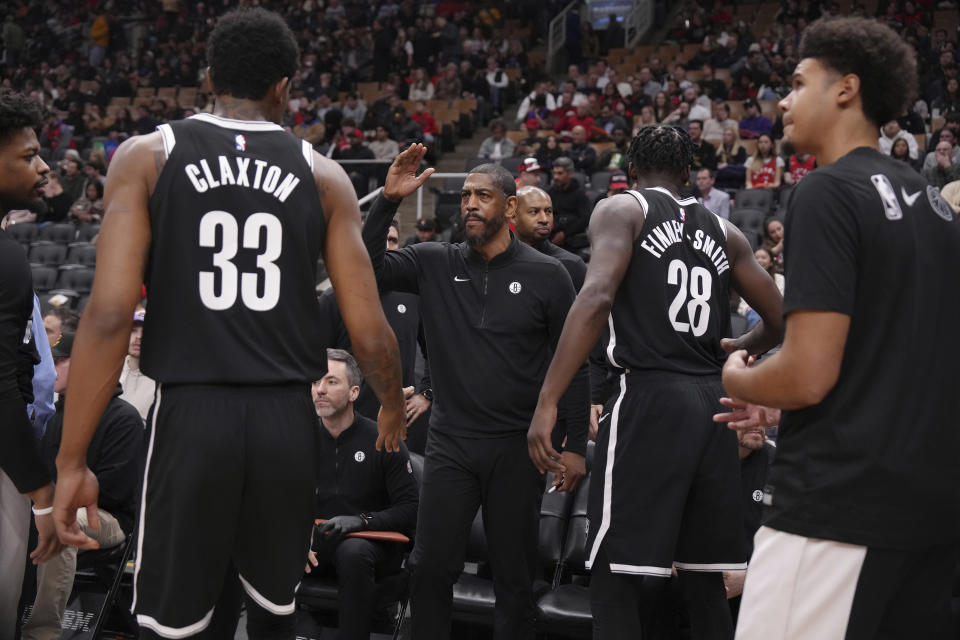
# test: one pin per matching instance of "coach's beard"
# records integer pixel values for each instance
(490, 229)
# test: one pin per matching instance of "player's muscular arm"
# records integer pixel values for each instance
(104, 332)
(761, 293)
(802, 373)
(614, 226)
(374, 343)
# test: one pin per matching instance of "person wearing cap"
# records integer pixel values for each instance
(426, 232)
(530, 174)
(114, 457)
(137, 389)
(754, 64)
(618, 184)
(753, 125)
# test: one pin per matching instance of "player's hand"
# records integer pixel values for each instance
(596, 410)
(391, 428)
(402, 178)
(417, 405)
(575, 469)
(733, 582)
(745, 416)
(311, 561)
(544, 457)
(76, 487)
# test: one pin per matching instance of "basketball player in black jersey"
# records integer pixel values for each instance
(224, 216)
(665, 489)
(862, 503)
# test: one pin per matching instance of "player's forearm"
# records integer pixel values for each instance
(774, 382)
(576, 400)
(95, 365)
(378, 355)
(761, 338)
(583, 327)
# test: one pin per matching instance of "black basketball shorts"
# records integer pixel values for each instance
(229, 478)
(666, 480)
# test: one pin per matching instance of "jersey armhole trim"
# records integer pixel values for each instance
(640, 199)
(307, 150)
(169, 140)
(723, 227)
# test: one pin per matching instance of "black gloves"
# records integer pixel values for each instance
(336, 528)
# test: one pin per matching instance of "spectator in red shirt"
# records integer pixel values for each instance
(426, 121)
(573, 119)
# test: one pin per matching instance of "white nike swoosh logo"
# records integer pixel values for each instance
(909, 199)
(459, 279)
(603, 417)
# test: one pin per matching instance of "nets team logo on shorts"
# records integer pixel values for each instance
(359, 456)
(402, 308)
(241, 142)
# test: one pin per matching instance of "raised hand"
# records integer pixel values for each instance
(402, 178)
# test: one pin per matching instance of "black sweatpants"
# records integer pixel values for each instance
(461, 474)
(357, 563)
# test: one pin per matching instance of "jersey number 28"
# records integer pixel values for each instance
(698, 307)
(230, 277)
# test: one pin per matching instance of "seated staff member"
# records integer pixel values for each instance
(358, 488)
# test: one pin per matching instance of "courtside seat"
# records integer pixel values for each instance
(750, 222)
(47, 252)
(565, 609)
(61, 233)
(24, 232)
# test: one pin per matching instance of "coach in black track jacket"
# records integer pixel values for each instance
(493, 309)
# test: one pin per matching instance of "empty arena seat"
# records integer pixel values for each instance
(750, 222)
(564, 610)
(44, 277)
(47, 252)
(88, 231)
(761, 199)
(76, 277)
(63, 233)
(82, 253)
(24, 232)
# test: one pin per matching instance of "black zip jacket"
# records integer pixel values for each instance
(115, 456)
(491, 329)
(355, 478)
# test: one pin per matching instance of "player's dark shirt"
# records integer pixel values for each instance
(877, 462)
(19, 457)
(237, 229)
(672, 308)
(491, 328)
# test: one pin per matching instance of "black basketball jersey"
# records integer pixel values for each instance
(672, 308)
(237, 230)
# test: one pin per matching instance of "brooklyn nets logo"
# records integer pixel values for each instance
(515, 288)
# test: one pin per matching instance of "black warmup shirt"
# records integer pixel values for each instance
(877, 462)
(672, 308)
(402, 311)
(355, 478)
(19, 457)
(573, 263)
(491, 329)
(237, 230)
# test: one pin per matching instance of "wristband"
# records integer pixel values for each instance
(41, 512)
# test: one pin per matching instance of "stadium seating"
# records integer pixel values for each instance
(44, 277)
(47, 252)
(82, 253)
(24, 232)
(63, 233)
(76, 277)
(750, 222)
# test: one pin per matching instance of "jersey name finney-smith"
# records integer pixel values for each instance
(667, 233)
(237, 170)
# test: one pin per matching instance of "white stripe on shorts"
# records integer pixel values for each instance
(143, 497)
(798, 588)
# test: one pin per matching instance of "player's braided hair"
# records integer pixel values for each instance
(660, 149)
(17, 112)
